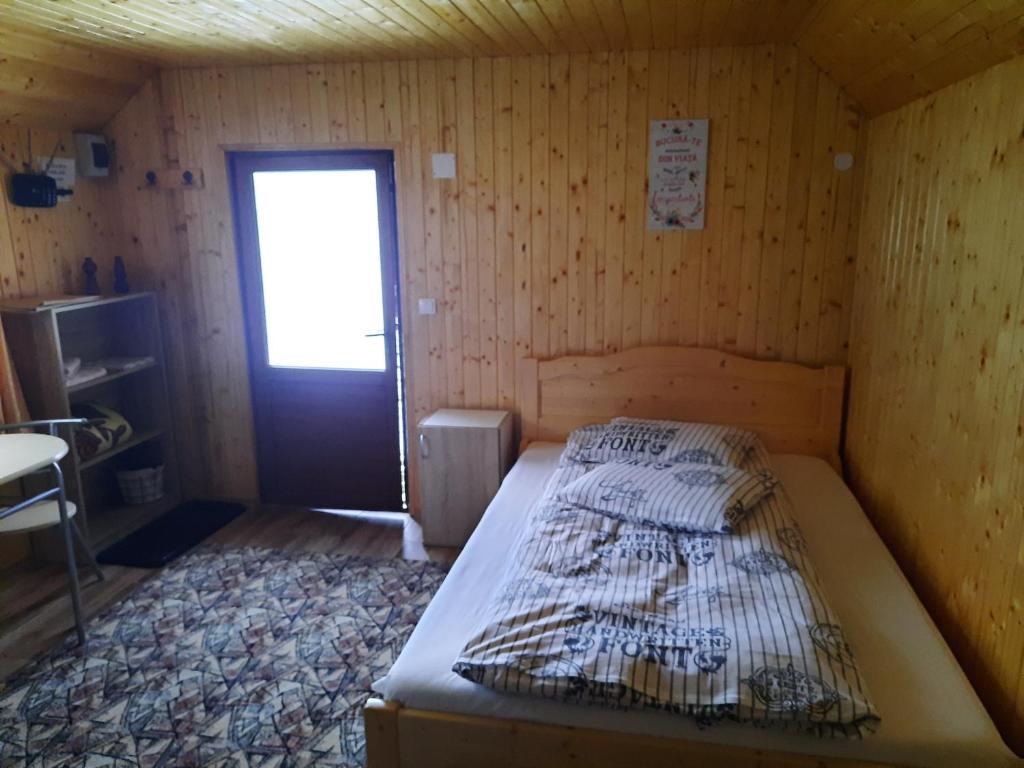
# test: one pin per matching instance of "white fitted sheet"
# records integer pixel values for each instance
(930, 714)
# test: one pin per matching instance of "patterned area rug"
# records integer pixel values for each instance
(229, 657)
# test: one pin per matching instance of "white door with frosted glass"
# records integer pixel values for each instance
(318, 262)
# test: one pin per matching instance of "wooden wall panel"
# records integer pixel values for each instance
(540, 245)
(935, 441)
(42, 249)
(154, 235)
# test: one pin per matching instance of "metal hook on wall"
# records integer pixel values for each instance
(174, 178)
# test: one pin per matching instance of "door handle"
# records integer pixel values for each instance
(424, 446)
(371, 335)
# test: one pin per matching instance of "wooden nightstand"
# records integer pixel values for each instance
(464, 454)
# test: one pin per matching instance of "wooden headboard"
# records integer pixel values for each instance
(793, 408)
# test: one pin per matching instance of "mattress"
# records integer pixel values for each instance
(930, 714)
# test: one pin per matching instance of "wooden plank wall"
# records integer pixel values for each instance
(539, 247)
(42, 249)
(935, 443)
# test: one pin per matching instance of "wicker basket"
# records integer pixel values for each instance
(141, 486)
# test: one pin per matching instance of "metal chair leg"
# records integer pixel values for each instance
(87, 549)
(69, 550)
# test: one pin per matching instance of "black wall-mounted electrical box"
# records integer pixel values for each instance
(34, 190)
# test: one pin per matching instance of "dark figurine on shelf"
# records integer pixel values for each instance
(92, 284)
(120, 276)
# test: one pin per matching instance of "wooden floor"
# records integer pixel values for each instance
(35, 611)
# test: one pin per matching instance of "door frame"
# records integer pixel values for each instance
(248, 289)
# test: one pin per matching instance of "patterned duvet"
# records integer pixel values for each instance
(603, 610)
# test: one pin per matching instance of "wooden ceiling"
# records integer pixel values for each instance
(50, 81)
(885, 53)
(77, 61)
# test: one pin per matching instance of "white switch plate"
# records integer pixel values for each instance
(428, 306)
(443, 165)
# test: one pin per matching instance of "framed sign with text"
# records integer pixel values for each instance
(678, 174)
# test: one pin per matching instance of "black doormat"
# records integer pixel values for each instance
(171, 535)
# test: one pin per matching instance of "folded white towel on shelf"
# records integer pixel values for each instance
(88, 373)
(125, 363)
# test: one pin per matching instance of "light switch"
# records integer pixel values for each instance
(443, 165)
(428, 306)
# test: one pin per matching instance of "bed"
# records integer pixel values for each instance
(428, 716)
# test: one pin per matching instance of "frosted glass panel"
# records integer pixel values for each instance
(320, 260)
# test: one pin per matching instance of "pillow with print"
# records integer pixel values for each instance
(579, 442)
(701, 443)
(680, 497)
(664, 441)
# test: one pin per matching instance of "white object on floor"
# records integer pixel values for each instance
(930, 714)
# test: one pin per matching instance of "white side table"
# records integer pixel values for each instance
(24, 454)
